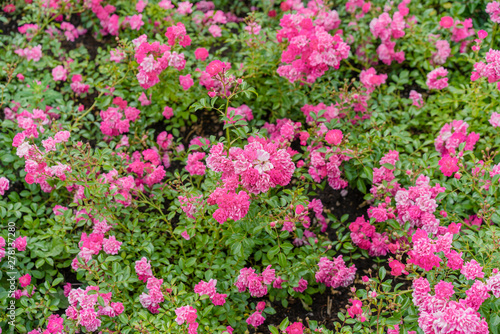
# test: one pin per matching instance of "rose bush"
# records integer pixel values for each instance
(163, 165)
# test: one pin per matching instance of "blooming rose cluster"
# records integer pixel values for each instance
(417, 99)
(93, 243)
(187, 314)
(112, 123)
(257, 167)
(85, 309)
(325, 161)
(147, 166)
(71, 32)
(335, 273)
(209, 289)
(424, 249)
(442, 53)
(436, 79)
(311, 50)
(440, 314)
(493, 8)
(36, 165)
(30, 53)
(257, 283)
(216, 80)
(452, 135)
(55, 325)
(417, 205)
(154, 297)
(284, 132)
(177, 33)
(28, 29)
(490, 69)
(389, 29)
(110, 23)
(460, 30)
(77, 85)
(154, 58)
(365, 236)
(383, 177)
(4, 185)
(120, 186)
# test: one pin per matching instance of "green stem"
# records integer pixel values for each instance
(492, 43)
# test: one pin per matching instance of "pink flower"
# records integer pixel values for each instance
(20, 243)
(302, 286)
(4, 185)
(335, 273)
(215, 67)
(448, 165)
(185, 235)
(256, 319)
(495, 119)
(295, 328)
(178, 33)
(168, 112)
(446, 22)
(334, 137)
(25, 280)
(117, 55)
(166, 4)
(9, 8)
(185, 314)
(355, 309)
(144, 100)
(111, 245)
(215, 30)
(185, 8)
(206, 288)
(186, 81)
(433, 80)
(397, 268)
(482, 34)
(140, 5)
(494, 284)
(143, 269)
(194, 165)
(55, 324)
(201, 54)
(61, 136)
(118, 308)
(472, 270)
(253, 28)
(218, 299)
(59, 73)
(417, 99)
(493, 8)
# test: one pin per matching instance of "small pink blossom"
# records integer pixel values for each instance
(25, 280)
(168, 112)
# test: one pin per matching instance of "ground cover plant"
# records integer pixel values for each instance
(249, 166)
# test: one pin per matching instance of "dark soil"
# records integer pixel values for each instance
(88, 40)
(208, 124)
(10, 26)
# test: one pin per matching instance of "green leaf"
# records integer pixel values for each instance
(39, 263)
(272, 252)
(273, 330)
(284, 324)
(382, 272)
